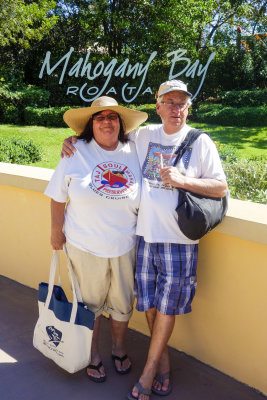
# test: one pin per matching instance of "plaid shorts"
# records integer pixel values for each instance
(165, 276)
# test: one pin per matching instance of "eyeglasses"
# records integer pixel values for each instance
(109, 117)
(170, 105)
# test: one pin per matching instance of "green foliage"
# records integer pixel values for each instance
(227, 152)
(111, 26)
(13, 102)
(247, 179)
(150, 109)
(52, 116)
(243, 116)
(26, 95)
(19, 151)
(132, 30)
(9, 113)
(23, 21)
(243, 98)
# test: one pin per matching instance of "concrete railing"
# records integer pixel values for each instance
(228, 325)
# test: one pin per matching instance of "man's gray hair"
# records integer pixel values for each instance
(188, 100)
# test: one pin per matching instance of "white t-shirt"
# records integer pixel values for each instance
(103, 189)
(157, 218)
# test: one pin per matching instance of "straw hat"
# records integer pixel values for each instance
(77, 118)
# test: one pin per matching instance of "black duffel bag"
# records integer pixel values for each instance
(197, 214)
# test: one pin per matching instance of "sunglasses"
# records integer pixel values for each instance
(109, 117)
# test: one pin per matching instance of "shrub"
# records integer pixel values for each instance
(52, 116)
(218, 114)
(24, 95)
(13, 102)
(243, 98)
(10, 115)
(227, 152)
(19, 151)
(247, 179)
(153, 117)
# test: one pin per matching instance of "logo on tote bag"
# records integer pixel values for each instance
(54, 335)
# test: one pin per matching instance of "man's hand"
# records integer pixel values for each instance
(67, 148)
(171, 176)
(203, 186)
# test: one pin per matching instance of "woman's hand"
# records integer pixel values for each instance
(67, 148)
(57, 240)
(57, 220)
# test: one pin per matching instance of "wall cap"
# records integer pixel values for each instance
(244, 219)
(25, 177)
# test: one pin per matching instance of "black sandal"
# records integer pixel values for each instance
(141, 390)
(161, 379)
(120, 359)
(97, 368)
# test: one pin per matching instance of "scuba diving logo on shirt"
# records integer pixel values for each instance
(114, 180)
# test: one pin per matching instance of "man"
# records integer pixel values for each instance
(166, 259)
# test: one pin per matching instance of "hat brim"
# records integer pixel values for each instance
(77, 118)
(175, 90)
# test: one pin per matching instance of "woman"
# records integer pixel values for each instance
(102, 186)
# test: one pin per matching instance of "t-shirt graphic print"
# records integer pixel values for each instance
(159, 156)
(113, 180)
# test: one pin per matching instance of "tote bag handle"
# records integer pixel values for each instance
(73, 276)
(55, 264)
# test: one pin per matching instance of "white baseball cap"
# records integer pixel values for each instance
(173, 86)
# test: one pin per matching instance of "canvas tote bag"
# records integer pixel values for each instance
(64, 330)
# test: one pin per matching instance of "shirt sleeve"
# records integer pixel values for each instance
(211, 166)
(133, 135)
(57, 188)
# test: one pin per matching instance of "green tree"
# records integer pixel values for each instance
(22, 21)
(141, 26)
(134, 29)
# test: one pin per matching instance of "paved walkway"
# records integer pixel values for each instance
(34, 377)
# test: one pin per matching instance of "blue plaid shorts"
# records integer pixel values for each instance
(165, 276)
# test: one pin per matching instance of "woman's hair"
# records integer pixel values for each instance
(88, 133)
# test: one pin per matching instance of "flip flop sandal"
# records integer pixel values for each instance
(120, 359)
(141, 390)
(161, 379)
(97, 368)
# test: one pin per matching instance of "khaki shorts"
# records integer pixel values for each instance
(106, 283)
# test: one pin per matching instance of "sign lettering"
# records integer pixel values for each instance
(88, 92)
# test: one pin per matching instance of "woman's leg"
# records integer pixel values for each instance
(92, 273)
(119, 305)
(95, 356)
(118, 334)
